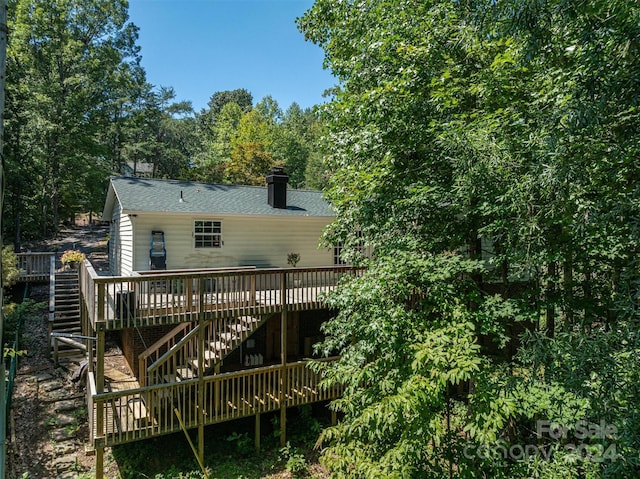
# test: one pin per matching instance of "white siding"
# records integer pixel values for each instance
(126, 240)
(113, 244)
(259, 241)
(120, 243)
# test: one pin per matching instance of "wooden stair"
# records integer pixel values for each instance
(237, 330)
(225, 335)
(65, 318)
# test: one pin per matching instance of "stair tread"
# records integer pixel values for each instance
(185, 373)
(195, 365)
(208, 355)
(239, 328)
(66, 328)
(228, 336)
(247, 319)
(219, 345)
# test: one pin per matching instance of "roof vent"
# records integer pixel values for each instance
(277, 181)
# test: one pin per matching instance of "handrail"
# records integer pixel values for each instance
(159, 298)
(165, 272)
(162, 341)
(199, 273)
(148, 370)
(37, 253)
(147, 412)
(105, 396)
(52, 292)
(35, 265)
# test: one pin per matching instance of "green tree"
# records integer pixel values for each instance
(10, 270)
(171, 128)
(214, 145)
(295, 142)
(63, 58)
(482, 149)
(251, 157)
(239, 96)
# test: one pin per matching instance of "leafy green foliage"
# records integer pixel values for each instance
(65, 62)
(501, 132)
(14, 316)
(242, 443)
(296, 464)
(10, 270)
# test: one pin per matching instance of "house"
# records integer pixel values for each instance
(213, 322)
(137, 168)
(207, 226)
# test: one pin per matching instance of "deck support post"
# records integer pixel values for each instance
(99, 463)
(334, 417)
(201, 339)
(283, 426)
(283, 355)
(257, 433)
(100, 327)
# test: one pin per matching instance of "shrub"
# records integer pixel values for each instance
(296, 463)
(10, 269)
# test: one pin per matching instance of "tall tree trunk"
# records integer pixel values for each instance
(587, 298)
(550, 297)
(567, 286)
(55, 205)
(475, 253)
(17, 240)
(43, 218)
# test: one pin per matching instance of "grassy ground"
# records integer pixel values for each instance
(230, 451)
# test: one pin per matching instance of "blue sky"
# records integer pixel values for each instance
(199, 47)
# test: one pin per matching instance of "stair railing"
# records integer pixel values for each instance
(157, 349)
(176, 356)
(221, 337)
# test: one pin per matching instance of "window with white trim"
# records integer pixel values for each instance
(337, 250)
(207, 234)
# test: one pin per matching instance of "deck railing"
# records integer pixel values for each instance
(147, 412)
(153, 299)
(222, 335)
(36, 266)
(159, 349)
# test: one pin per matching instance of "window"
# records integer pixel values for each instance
(207, 234)
(337, 260)
(337, 250)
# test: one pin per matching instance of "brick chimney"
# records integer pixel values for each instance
(277, 181)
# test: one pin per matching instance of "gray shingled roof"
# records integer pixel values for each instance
(145, 194)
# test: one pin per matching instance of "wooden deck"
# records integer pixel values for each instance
(139, 413)
(207, 302)
(215, 304)
(173, 298)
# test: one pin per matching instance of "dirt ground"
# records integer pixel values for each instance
(91, 240)
(48, 430)
(32, 447)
